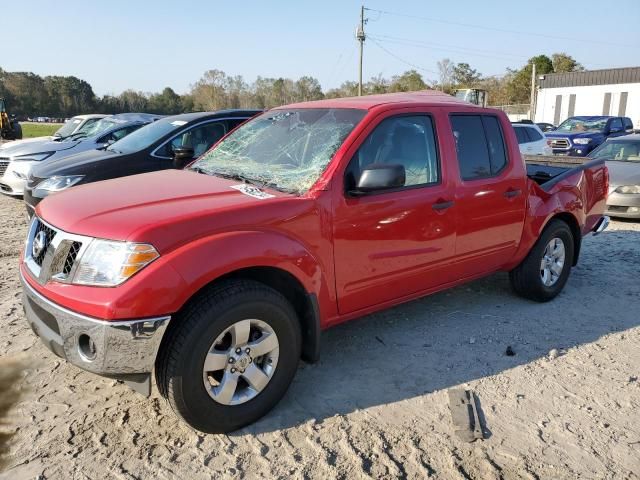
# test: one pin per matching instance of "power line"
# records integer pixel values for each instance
(401, 59)
(440, 46)
(494, 29)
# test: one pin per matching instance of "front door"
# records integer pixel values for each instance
(391, 244)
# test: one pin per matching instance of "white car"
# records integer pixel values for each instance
(79, 123)
(531, 140)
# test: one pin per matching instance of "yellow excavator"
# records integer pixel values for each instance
(10, 129)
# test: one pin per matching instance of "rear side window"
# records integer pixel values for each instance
(616, 123)
(479, 145)
(521, 135)
(534, 135)
(628, 124)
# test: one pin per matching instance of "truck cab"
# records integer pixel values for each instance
(220, 277)
(577, 136)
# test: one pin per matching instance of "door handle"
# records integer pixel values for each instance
(442, 205)
(512, 193)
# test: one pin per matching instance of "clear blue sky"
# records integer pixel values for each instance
(147, 45)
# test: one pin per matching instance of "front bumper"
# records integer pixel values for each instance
(574, 151)
(623, 205)
(10, 182)
(125, 350)
(30, 200)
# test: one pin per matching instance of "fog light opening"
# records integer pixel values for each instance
(87, 347)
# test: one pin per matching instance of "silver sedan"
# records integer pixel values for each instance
(622, 155)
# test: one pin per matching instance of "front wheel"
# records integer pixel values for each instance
(543, 273)
(231, 357)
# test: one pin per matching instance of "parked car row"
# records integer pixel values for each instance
(219, 277)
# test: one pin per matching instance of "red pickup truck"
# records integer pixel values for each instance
(220, 277)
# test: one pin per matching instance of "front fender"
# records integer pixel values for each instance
(202, 261)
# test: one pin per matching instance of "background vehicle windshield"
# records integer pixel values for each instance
(287, 149)
(147, 135)
(97, 128)
(575, 125)
(620, 151)
(68, 127)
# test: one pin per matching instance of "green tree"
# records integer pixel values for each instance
(168, 102)
(565, 63)
(464, 76)
(409, 81)
(519, 81)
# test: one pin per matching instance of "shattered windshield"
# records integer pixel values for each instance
(284, 149)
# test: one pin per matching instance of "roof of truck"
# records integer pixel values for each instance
(423, 97)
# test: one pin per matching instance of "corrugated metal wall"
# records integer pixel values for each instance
(594, 77)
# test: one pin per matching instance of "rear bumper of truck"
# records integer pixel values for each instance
(125, 350)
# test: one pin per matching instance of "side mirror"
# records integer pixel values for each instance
(380, 176)
(182, 156)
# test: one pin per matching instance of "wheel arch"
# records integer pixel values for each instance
(304, 303)
(572, 222)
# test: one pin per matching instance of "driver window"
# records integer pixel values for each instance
(405, 140)
(200, 138)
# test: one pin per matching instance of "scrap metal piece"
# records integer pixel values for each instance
(464, 415)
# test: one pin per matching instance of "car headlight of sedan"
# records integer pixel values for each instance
(582, 141)
(108, 263)
(58, 183)
(33, 157)
(628, 189)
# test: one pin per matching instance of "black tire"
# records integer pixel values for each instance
(17, 131)
(526, 279)
(181, 358)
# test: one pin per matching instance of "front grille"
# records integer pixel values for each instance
(55, 253)
(71, 258)
(617, 208)
(560, 143)
(3, 166)
(49, 233)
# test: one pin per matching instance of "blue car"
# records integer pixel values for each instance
(577, 136)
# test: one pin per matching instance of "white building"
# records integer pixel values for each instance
(614, 91)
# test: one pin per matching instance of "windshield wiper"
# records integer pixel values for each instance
(200, 170)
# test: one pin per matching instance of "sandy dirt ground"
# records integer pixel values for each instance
(376, 404)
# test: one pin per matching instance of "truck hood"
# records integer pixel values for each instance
(37, 147)
(623, 173)
(165, 208)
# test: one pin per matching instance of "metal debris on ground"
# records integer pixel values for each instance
(464, 415)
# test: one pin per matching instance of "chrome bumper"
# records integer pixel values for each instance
(124, 350)
(601, 226)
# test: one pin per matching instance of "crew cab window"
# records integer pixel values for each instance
(405, 140)
(479, 145)
(616, 124)
(200, 138)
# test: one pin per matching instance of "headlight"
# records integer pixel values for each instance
(108, 263)
(58, 183)
(33, 157)
(628, 189)
(582, 141)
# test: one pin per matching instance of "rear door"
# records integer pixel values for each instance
(391, 244)
(491, 197)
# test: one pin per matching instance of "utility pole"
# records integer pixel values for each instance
(360, 36)
(532, 106)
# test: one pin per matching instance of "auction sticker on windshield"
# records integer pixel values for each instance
(178, 123)
(252, 191)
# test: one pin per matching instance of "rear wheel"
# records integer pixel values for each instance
(543, 273)
(231, 357)
(17, 131)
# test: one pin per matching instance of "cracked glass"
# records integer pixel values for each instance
(286, 149)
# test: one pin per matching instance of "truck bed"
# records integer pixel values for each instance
(547, 170)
